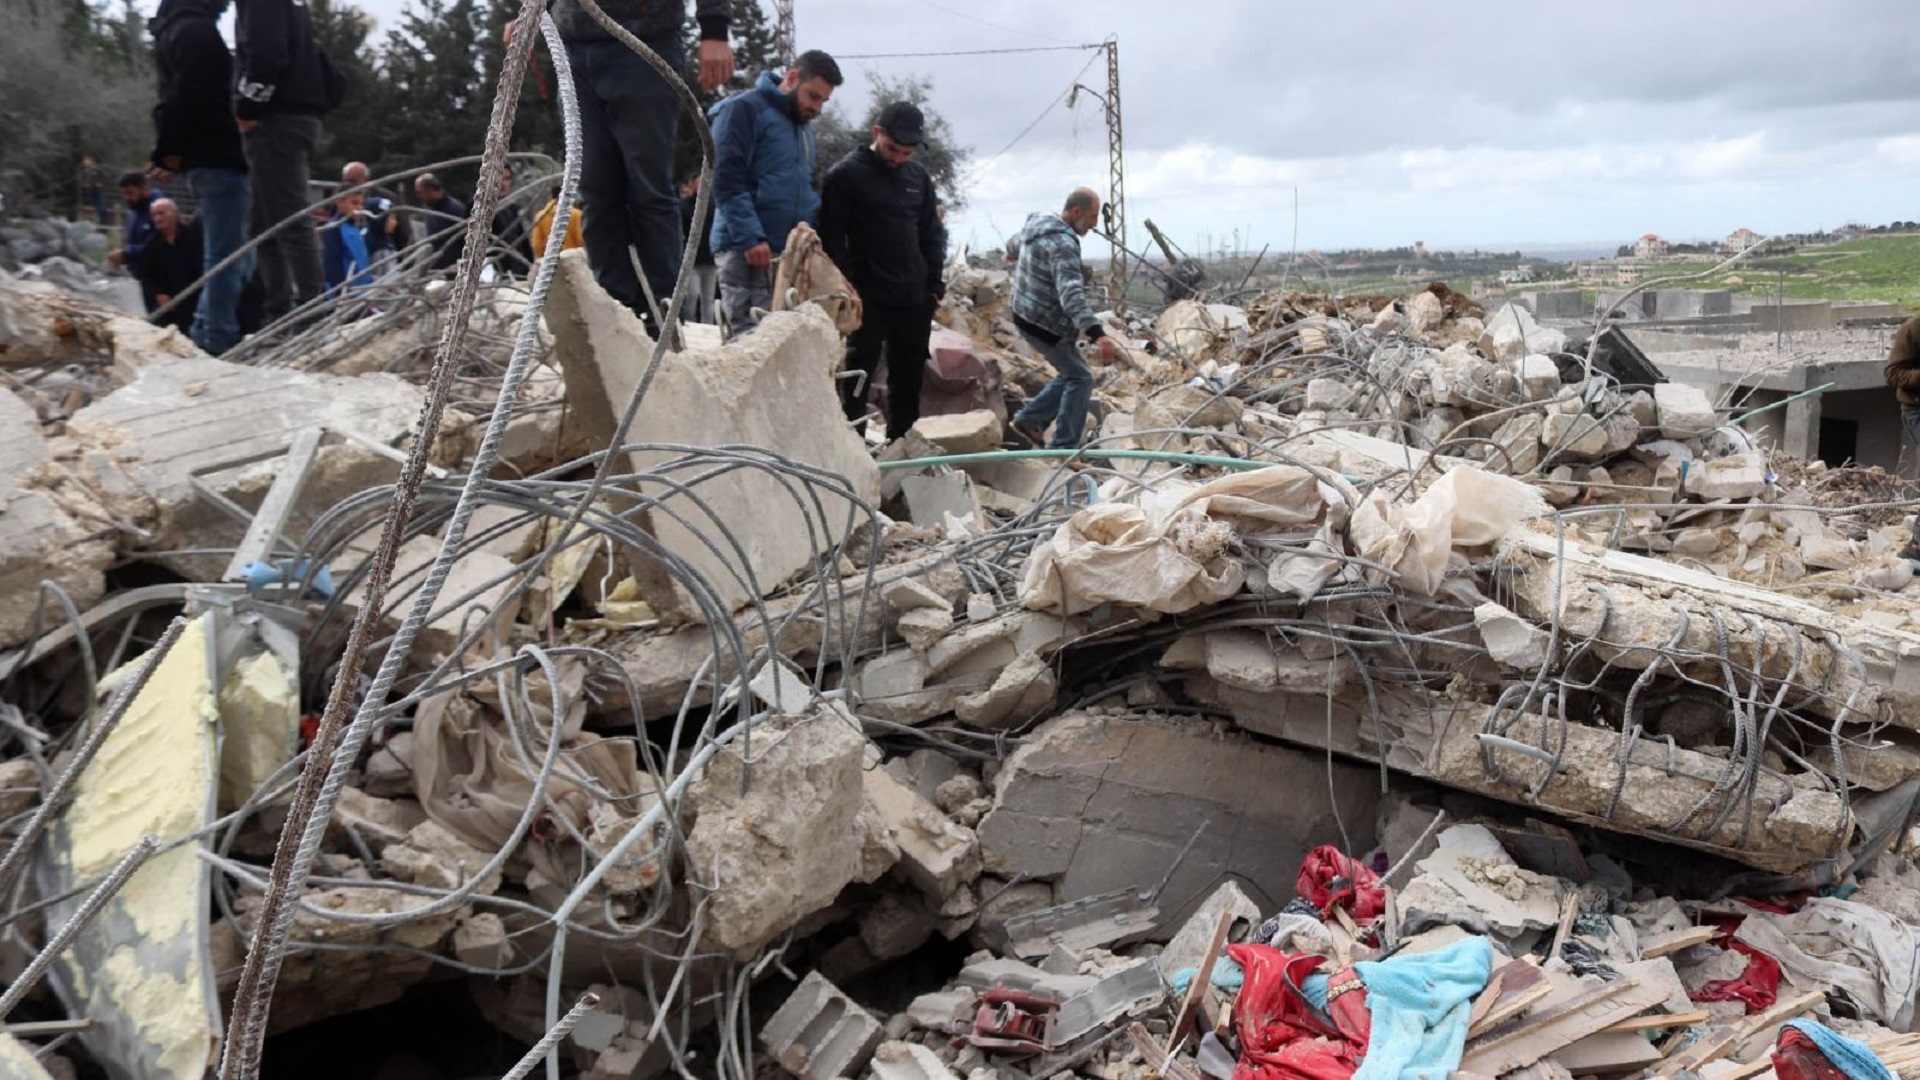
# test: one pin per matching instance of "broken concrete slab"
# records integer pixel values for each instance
(909, 1061)
(773, 388)
(1510, 640)
(140, 448)
(44, 535)
(1685, 411)
(1103, 801)
(1022, 692)
(1189, 946)
(774, 851)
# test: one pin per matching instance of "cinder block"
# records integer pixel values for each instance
(820, 1033)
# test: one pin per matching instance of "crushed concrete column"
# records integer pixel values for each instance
(773, 388)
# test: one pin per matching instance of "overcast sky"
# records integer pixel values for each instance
(1498, 123)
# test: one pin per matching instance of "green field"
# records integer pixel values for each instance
(1872, 268)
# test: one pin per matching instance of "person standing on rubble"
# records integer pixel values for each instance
(880, 224)
(195, 134)
(285, 84)
(1903, 374)
(1051, 310)
(445, 233)
(763, 180)
(629, 120)
(391, 234)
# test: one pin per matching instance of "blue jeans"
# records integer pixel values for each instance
(742, 289)
(629, 120)
(1064, 401)
(223, 195)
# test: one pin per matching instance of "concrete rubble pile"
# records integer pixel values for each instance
(1381, 645)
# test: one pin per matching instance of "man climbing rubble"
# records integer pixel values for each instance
(1903, 374)
(763, 180)
(1050, 307)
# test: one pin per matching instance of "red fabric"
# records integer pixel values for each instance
(1797, 1057)
(1758, 986)
(1281, 1037)
(1330, 879)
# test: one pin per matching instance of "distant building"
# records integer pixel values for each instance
(1517, 275)
(1419, 249)
(1627, 271)
(1741, 239)
(1649, 247)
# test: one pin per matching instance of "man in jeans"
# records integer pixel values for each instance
(195, 134)
(629, 119)
(880, 224)
(284, 87)
(1903, 374)
(763, 180)
(1051, 310)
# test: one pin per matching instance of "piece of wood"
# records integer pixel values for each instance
(1569, 911)
(1526, 1041)
(1222, 923)
(1169, 1068)
(1656, 1021)
(1484, 1003)
(1522, 986)
(1780, 1013)
(1607, 1053)
(1668, 944)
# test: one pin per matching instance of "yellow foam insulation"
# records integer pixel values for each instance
(259, 726)
(153, 775)
(18, 1063)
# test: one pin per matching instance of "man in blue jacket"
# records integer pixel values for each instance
(763, 180)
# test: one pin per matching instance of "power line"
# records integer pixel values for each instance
(1028, 130)
(964, 52)
(993, 25)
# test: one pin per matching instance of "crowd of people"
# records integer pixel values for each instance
(239, 127)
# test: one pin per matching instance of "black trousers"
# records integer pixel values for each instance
(902, 333)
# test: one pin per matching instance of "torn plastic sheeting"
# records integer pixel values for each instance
(1176, 551)
(1465, 508)
(1871, 956)
(471, 779)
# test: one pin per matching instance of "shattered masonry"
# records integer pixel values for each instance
(1395, 628)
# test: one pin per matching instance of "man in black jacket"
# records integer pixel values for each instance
(879, 222)
(194, 133)
(171, 262)
(629, 119)
(446, 220)
(284, 87)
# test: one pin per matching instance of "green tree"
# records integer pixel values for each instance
(74, 80)
(752, 35)
(942, 155)
(359, 129)
(433, 69)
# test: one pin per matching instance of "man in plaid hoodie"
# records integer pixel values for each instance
(1051, 309)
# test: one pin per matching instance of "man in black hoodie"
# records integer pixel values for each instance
(880, 223)
(285, 86)
(195, 134)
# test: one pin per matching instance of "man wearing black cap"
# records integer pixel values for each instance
(879, 222)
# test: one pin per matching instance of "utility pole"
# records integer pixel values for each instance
(1116, 175)
(783, 32)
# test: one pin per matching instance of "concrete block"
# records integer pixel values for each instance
(1539, 377)
(894, 687)
(1827, 552)
(820, 1033)
(772, 388)
(781, 848)
(962, 433)
(942, 1010)
(1685, 411)
(1511, 640)
(909, 1061)
(1249, 660)
(379, 821)
(1519, 441)
(481, 940)
(894, 926)
(1331, 395)
(986, 648)
(1022, 691)
(1740, 476)
(1574, 435)
(1131, 991)
(1189, 946)
(432, 855)
(937, 502)
(922, 627)
(1104, 802)
(906, 594)
(936, 855)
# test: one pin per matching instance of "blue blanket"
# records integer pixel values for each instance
(1419, 1007)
